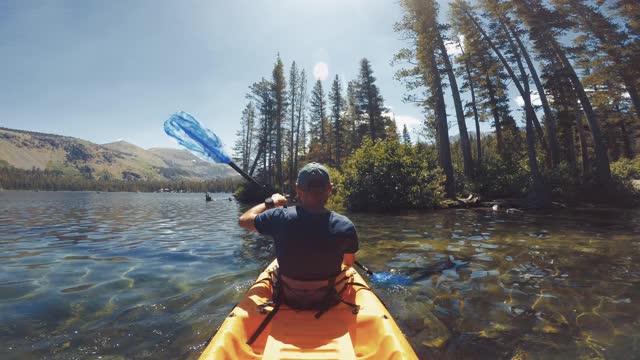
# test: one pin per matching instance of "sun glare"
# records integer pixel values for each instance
(321, 71)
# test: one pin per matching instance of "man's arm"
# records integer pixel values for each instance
(247, 219)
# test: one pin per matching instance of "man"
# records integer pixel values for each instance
(311, 242)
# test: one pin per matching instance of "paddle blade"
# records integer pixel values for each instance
(199, 140)
(388, 278)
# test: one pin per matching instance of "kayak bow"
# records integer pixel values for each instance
(340, 333)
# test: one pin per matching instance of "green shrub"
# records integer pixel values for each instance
(249, 193)
(498, 177)
(336, 201)
(388, 175)
(626, 169)
(563, 182)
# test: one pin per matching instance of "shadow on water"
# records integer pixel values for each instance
(153, 275)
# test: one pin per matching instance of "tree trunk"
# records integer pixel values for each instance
(462, 126)
(538, 183)
(442, 126)
(477, 122)
(586, 164)
(291, 137)
(626, 141)
(527, 91)
(298, 132)
(444, 149)
(504, 62)
(603, 171)
(496, 115)
(550, 119)
(475, 109)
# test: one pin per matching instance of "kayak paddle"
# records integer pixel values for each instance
(382, 277)
(201, 141)
(206, 145)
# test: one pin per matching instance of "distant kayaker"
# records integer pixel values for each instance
(311, 242)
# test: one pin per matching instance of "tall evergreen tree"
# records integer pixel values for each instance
(244, 144)
(521, 84)
(498, 11)
(370, 102)
(353, 119)
(538, 19)
(469, 83)
(319, 145)
(279, 89)
(337, 107)
(612, 41)
(406, 138)
(465, 145)
(301, 134)
(420, 25)
(293, 102)
(485, 71)
(261, 93)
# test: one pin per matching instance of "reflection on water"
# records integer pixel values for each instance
(153, 275)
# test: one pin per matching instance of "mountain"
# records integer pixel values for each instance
(116, 160)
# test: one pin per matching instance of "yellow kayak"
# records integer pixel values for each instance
(342, 332)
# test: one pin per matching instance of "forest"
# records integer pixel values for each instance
(47, 180)
(574, 65)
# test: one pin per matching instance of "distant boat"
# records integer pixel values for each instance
(207, 197)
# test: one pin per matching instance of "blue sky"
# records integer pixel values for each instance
(110, 70)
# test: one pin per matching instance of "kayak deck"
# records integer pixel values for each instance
(340, 333)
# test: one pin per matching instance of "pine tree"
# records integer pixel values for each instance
(498, 11)
(406, 138)
(293, 102)
(244, 144)
(318, 127)
(301, 134)
(369, 100)
(465, 145)
(521, 84)
(485, 72)
(469, 83)
(612, 41)
(353, 119)
(279, 86)
(539, 19)
(337, 107)
(420, 25)
(261, 94)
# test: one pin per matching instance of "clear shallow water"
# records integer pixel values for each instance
(123, 275)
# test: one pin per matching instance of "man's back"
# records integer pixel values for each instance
(309, 246)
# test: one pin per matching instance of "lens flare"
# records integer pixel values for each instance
(321, 71)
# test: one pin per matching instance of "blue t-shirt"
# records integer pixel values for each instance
(309, 246)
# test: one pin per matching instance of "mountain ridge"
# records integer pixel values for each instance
(68, 155)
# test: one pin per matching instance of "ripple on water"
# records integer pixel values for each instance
(153, 275)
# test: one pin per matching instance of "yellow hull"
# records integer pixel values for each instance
(293, 334)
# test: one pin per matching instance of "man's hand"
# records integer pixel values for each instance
(279, 200)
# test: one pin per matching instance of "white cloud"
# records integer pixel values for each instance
(535, 99)
(410, 121)
(401, 120)
(321, 71)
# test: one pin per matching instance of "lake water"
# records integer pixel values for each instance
(125, 275)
